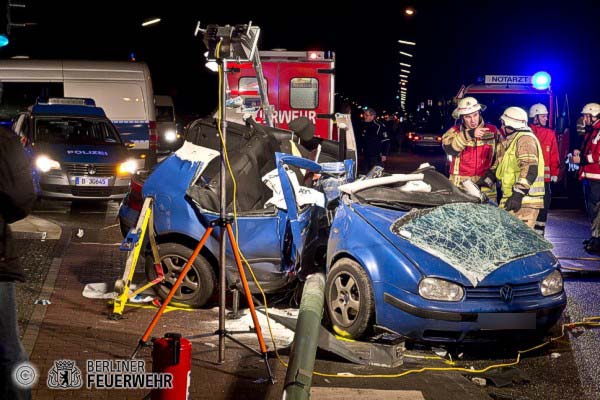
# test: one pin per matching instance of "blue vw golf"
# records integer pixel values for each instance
(408, 253)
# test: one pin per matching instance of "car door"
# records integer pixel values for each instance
(299, 218)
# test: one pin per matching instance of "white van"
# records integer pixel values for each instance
(122, 88)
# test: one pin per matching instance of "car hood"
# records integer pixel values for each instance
(68, 153)
(466, 252)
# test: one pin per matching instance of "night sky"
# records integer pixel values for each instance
(456, 42)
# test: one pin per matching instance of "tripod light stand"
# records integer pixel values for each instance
(224, 43)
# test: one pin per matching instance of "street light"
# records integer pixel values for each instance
(406, 54)
(406, 42)
(405, 71)
(405, 65)
(151, 21)
(409, 11)
(403, 80)
(403, 76)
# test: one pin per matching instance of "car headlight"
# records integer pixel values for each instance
(127, 167)
(170, 135)
(45, 163)
(439, 289)
(552, 284)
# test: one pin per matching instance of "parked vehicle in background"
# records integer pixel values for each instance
(169, 137)
(122, 89)
(75, 150)
(427, 130)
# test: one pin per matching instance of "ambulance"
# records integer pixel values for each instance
(499, 92)
(298, 83)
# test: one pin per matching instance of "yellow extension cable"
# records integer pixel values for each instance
(589, 321)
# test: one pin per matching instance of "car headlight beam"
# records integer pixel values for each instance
(439, 289)
(128, 167)
(45, 163)
(170, 135)
(552, 284)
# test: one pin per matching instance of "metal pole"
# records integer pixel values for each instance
(298, 378)
(223, 215)
(262, 89)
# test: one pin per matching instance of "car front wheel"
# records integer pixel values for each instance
(349, 298)
(198, 285)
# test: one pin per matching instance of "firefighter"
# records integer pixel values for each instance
(472, 146)
(519, 168)
(16, 199)
(547, 138)
(589, 171)
(373, 141)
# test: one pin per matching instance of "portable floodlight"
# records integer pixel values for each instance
(238, 43)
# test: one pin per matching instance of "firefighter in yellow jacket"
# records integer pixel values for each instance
(519, 167)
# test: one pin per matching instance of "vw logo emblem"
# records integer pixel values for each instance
(506, 293)
(91, 170)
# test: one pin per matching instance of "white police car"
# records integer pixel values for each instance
(76, 151)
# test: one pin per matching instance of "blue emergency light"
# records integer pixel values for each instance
(541, 80)
(3, 40)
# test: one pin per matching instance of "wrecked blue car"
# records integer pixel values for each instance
(417, 256)
(186, 192)
(404, 253)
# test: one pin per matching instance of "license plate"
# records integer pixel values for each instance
(429, 138)
(501, 321)
(90, 181)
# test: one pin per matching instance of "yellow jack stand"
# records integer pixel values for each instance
(133, 243)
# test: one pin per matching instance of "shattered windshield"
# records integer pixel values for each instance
(476, 239)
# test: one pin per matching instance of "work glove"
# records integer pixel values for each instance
(486, 180)
(514, 202)
(554, 179)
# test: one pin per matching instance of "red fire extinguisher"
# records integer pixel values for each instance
(173, 354)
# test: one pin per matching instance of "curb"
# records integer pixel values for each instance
(37, 317)
(33, 227)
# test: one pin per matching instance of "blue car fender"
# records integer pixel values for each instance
(352, 236)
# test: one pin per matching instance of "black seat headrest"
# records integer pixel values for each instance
(303, 128)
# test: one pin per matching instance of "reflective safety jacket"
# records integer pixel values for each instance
(590, 157)
(547, 139)
(471, 158)
(513, 166)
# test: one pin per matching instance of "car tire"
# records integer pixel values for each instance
(349, 299)
(196, 288)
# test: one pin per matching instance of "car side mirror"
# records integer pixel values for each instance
(129, 144)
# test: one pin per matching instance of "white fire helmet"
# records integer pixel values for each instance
(466, 106)
(514, 117)
(591, 108)
(537, 109)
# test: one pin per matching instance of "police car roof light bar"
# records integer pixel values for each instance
(72, 101)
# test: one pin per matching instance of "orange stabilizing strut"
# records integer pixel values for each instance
(165, 303)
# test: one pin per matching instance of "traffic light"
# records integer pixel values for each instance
(4, 23)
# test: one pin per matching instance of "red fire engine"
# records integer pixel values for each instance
(298, 84)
